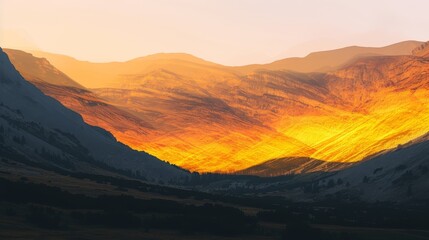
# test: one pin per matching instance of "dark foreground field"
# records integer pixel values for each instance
(51, 206)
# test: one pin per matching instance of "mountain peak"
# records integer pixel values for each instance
(6, 67)
(173, 57)
(38, 69)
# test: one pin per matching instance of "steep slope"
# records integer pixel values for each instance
(334, 59)
(38, 70)
(181, 107)
(200, 113)
(387, 98)
(94, 110)
(373, 104)
(206, 113)
(293, 165)
(39, 127)
(398, 174)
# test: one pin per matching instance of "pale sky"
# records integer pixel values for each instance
(230, 32)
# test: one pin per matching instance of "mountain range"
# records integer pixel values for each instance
(359, 130)
(338, 106)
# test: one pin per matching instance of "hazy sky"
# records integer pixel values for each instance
(231, 32)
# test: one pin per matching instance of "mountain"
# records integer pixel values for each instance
(168, 137)
(399, 174)
(38, 127)
(102, 75)
(228, 132)
(94, 110)
(293, 165)
(387, 97)
(39, 70)
(206, 113)
(334, 59)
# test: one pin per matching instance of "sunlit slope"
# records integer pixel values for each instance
(384, 103)
(94, 110)
(208, 117)
(293, 165)
(57, 138)
(352, 137)
(342, 116)
(214, 135)
(183, 98)
(211, 152)
(179, 120)
(102, 75)
(38, 69)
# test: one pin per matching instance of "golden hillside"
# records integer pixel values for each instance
(208, 117)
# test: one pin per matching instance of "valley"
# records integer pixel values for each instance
(56, 181)
(214, 120)
(374, 99)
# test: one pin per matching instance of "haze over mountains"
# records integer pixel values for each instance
(208, 117)
(333, 59)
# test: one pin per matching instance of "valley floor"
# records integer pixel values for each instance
(44, 204)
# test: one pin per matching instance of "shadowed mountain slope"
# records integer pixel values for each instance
(399, 174)
(94, 110)
(42, 129)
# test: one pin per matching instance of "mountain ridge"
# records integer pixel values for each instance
(338, 116)
(25, 108)
(328, 60)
